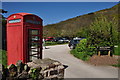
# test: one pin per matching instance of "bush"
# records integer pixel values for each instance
(3, 57)
(116, 65)
(102, 32)
(83, 51)
(116, 51)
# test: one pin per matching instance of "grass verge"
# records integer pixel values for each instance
(3, 58)
(116, 51)
(116, 65)
(53, 43)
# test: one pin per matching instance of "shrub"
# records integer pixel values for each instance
(104, 32)
(116, 65)
(83, 51)
(116, 51)
(3, 57)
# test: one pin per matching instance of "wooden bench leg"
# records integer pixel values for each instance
(98, 53)
(108, 53)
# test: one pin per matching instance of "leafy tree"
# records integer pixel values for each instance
(83, 32)
(103, 32)
(3, 11)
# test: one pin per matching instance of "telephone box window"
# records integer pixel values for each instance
(34, 43)
(32, 21)
(34, 32)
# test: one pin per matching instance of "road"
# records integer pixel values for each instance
(77, 68)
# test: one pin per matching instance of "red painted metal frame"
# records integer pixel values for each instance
(17, 37)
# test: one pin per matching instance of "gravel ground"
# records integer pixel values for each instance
(103, 60)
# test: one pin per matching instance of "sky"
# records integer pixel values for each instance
(54, 12)
(59, 0)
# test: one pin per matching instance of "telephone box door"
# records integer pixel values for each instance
(34, 44)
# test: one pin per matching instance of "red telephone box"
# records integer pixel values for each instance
(24, 37)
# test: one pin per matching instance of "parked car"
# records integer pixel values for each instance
(77, 38)
(72, 44)
(63, 40)
(49, 39)
(57, 39)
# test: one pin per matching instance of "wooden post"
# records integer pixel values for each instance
(109, 53)
(98, 53)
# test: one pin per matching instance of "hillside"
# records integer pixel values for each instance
(72, 26)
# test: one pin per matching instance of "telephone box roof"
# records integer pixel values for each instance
(22, 14)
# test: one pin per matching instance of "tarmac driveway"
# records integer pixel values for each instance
(77, 68)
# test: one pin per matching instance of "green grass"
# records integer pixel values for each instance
(0, 57)
(116, 51)
(53, 43)
(3, 57)
(116, 65)
(80, 55)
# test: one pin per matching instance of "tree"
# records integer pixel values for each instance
(4, 22)
(103, 32)
(3, 11)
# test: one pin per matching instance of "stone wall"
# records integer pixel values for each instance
(45, 69)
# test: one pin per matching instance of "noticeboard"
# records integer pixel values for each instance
(105, 48)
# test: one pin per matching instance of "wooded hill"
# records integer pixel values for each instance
(73, 26)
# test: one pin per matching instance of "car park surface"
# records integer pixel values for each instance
(76, 67)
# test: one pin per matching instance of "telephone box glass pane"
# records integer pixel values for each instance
(35, 38)
(35, 32)
(34, 44)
